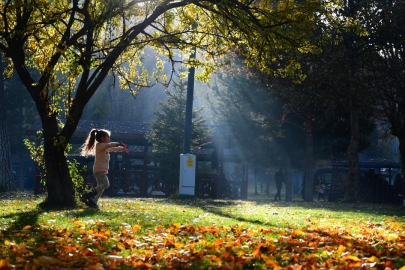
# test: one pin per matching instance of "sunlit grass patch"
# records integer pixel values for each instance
(128, 233)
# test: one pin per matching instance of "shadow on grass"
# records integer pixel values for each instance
(215, 207)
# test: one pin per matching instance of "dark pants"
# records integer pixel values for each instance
(278, 194)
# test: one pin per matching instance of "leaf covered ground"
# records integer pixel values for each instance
(131, 233)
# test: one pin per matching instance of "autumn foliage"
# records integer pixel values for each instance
(129, 234)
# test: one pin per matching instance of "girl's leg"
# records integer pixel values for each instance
(102, 184)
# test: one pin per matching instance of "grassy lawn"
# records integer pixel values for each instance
(130, 233)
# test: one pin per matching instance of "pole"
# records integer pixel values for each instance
(189, 106)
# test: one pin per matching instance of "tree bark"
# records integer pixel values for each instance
(288, 181)
(402, 153)
(352, 183)
(309, 159)
(6, 171)
(20, 172)
(255, 170)
(59, 184)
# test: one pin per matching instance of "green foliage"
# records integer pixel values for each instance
(37, 154)
(167, 132)
(74, 45)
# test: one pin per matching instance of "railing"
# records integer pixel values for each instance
(138, 183)
(214, 187)
(206, 186)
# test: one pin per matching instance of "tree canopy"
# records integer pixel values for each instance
(75, 44)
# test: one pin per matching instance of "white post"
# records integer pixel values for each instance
(187, 174)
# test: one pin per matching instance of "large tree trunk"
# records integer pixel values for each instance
(6, 172)
(59, 184)
(309, 159)
(288, 181)
(352, 183)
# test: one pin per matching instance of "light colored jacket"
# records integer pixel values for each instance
(102, 155)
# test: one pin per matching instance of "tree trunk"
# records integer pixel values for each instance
(309, 159)
(352, 183)
(59, 184)
(255, 170)
(6, 171)
(288, 182)
(399, 132)
(20, 172)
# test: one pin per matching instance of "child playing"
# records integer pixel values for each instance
(98, 144)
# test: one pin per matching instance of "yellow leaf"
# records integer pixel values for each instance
(372, 259)
(178, 244)
(341, 249)
(27, 227)
(6, 243)
(325, 253)
(392, 237)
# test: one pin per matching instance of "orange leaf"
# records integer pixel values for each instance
(351, 257)
(4, 263)
(389, 264)
(257, 251)
(227, 256)
(135, 228)
(298, 233)
(27, 227)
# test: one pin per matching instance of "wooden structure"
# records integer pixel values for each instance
(377, 180)
(133, 174)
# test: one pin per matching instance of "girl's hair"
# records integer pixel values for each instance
(94, 135)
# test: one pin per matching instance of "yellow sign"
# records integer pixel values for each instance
(190, 162)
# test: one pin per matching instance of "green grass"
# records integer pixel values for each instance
(199, 234)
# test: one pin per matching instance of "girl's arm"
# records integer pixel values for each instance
(120, 147)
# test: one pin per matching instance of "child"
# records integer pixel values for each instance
(98, 144)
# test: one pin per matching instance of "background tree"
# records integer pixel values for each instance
(167, 133)
(344, 31)
(75, 44)
(388, 35)
(243, 101)
(6, 171)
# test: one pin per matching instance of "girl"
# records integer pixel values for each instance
(98, 144)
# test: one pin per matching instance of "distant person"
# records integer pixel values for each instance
(321, 189)
(98, 144)
(279, 178)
